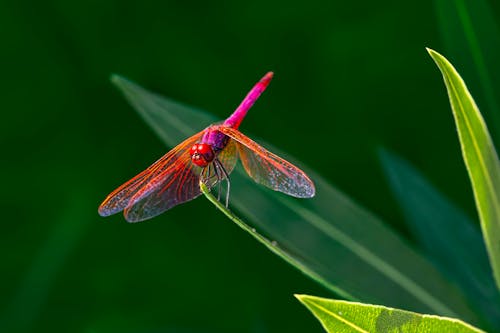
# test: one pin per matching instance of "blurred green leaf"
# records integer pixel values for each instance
(290, 258)
(341, 316)
(472, 39)
(335, 238)
(449, 237)
(479, 155)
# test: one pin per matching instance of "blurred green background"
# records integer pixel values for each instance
(349, 77)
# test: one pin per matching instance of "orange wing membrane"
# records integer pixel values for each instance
(269, 169)
(174, 170)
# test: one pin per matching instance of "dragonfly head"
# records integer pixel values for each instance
(202, 154)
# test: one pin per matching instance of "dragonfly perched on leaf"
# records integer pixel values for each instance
(209, 157)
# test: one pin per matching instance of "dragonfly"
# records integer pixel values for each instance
(208, 156)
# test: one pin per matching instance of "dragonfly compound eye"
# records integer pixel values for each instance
(202, 154)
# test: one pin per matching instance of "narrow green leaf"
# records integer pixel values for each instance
(472, 39)
(346, 317)
(479, 155)
(292, 259)
(338, 240)
(448, 236)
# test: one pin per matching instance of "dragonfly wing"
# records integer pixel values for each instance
(229, 156)
(269, 169)
(121, 198)
(177, 184)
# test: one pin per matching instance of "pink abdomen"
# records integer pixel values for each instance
(216, 139)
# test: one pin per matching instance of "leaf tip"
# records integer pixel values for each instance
(437, 57)
(115, 78)
(431, 52)
(121, 82)
(305, 299)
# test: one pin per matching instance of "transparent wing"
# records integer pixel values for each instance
(229, 156)
(171, 165)
(269, 169)
(176, 184)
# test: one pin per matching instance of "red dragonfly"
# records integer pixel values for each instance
(208, 156)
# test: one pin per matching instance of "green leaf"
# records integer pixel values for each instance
(345, 317)
(472, 39)
(338, 240)
(292, 259)
(448, 236)
(479, 155)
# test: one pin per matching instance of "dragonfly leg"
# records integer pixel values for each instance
(226, 176)
(218, 181)
(203, 174)
(208, 173)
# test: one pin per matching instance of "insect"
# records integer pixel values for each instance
(208, 156)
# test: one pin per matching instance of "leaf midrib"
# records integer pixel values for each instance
(373, 260)
(477, 150)
(336, 316)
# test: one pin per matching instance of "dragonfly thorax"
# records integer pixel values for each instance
(202, 154)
